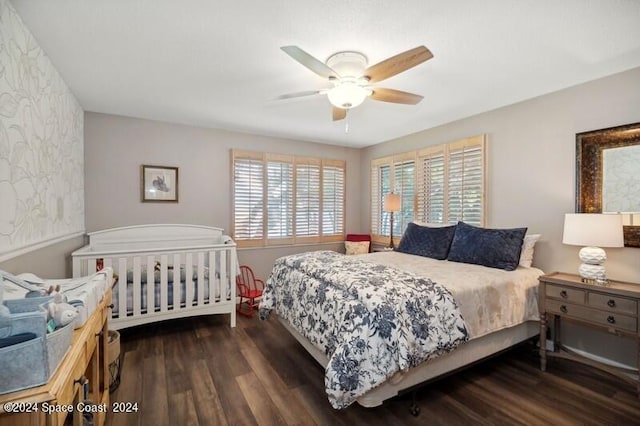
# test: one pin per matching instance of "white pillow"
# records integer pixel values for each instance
(431, 225)
(356, 247)
(528, 244)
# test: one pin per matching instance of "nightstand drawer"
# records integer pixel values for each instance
(612, 303)
(595, 316)
(568, 294)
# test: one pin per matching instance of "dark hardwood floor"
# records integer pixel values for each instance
(199, 371)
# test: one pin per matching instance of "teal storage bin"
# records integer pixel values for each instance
(30, 363)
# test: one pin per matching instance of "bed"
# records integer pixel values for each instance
(163, 271)
(384, 322)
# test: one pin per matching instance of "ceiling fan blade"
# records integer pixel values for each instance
(300, 94)
(397, 64)
(310, 62)
(395, 96)
(339, 114)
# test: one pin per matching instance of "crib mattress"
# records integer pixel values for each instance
(157, 295)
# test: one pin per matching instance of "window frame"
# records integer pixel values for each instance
(377, 228)
(266, 240)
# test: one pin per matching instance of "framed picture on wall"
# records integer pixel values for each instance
(159, 184)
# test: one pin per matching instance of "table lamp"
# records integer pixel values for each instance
(391, 204)
(593, 231)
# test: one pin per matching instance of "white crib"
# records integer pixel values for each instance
(193, 269)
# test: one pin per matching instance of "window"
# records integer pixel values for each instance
(438, 184)
(281, 199)
(392, 174)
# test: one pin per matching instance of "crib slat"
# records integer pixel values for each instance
(151, 298)
(164, 284)
(222, 292)
(177, 281)
(200, 278)
(77, 267)
(188, 282)
(122, 287)
(137, 294)
(91, 266)
(231, 283)
(213, 263)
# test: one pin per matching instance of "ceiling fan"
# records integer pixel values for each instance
(352, 80)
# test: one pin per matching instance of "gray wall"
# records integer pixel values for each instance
(53, 261)
(531, 172)
(116, 147)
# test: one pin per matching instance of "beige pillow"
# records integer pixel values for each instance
(528, 245)
(356, 247)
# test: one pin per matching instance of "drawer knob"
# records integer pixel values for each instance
(611, 303)
(563, 294)
(563, 309)
(611, 319)
(111, 306)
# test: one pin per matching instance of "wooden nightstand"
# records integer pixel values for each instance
(614, 308)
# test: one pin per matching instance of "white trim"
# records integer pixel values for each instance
(36, 246)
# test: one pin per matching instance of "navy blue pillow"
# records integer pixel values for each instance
(427, 242)
(495, 248)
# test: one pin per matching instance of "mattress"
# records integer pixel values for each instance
(157, 292)
(489, 299)
(157, 295)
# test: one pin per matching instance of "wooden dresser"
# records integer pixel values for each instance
(62, 398)
(614, 307)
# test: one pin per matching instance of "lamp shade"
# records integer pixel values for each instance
(391, 203)
(592, 229)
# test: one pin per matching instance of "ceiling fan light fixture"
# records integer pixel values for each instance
(347, 95)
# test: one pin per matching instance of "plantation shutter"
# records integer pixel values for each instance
(282, 199)
(404, 185)
(279, 199)
(466, 181)
(431, 194)
(248, 197)
(438, 184)
(307, 202)
(333, 191)
(380, 185)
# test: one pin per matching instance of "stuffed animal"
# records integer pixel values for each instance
(55, 292)
(60, 312)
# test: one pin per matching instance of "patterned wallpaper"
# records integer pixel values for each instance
(41, 144)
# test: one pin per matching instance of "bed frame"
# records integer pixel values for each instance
(466, 354)
(200, 251)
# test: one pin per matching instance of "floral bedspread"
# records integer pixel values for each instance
(371, 320)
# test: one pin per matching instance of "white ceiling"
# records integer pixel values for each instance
(219, 64)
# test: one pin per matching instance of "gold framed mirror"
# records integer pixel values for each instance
(608, 175)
